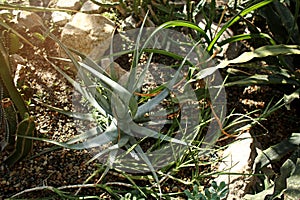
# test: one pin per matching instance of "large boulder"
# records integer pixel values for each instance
(89, 34)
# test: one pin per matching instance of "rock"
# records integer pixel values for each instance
(28, 20)
(120, 74)
(129, 23)
(90, 7)
(89, 34)
(237, 158)
(5, 14)
(60, 18)
(18, 2)
(69, 4)
(39, 3)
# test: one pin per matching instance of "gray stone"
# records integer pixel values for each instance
(129, 23)
(237, 158)
(90, 7)
(18, 2)
(60, 18)
(28, 20)
(70, 4)
(88, 33)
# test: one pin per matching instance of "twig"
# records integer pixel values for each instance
(219, 121)
(33, 189)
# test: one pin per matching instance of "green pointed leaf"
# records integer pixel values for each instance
(276, 152)
(77, 115)
(269, 50)
(122, 142)
(260, 79)
(110, 135)
(117, 89)
(178, 23)
(235, 19)
(24, 144)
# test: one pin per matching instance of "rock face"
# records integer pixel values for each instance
(88, 33)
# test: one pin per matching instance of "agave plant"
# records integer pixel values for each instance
(142, 128)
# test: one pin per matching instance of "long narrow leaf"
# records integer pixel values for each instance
(259, 79)
(269, 50)
(145, 158)
(276, 152)
(154, 102)
(124, 94)
(178, 23)
(123, 140)
(241, 37)
(235, 19)
(77, 115)
(108, 136)
(136, 56)
(82, 90)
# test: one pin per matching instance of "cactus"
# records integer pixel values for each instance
(9, 120)
(23, 145)
(13, 109)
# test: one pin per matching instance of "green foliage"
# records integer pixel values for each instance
(270, 75)
(9, 120)
(23, 145)
(287, 182)
(235, 19)
(127, 124)
(276, 152)
(214, 192)
(282, 22)
(118, 107)
(281, 18)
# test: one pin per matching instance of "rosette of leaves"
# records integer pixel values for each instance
(125, 111)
